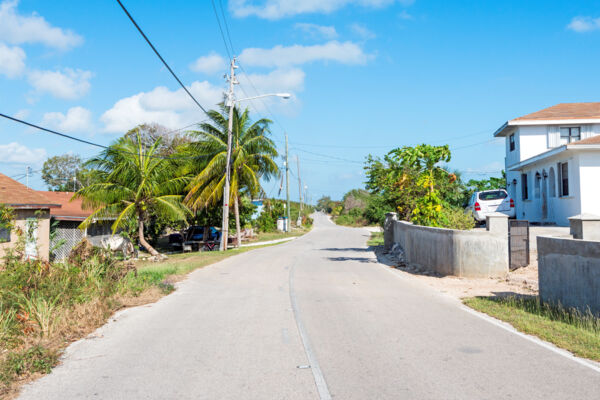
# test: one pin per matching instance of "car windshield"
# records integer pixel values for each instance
(493, 195)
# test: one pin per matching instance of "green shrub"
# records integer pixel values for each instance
(456, 218)
(32, 360)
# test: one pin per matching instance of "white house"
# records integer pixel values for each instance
(553, 162)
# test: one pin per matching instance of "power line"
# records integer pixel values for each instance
(160, 57)
(221, 30)
(52, 132)
(95, 144)
(328, 156)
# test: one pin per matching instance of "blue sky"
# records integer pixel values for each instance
(366, 75)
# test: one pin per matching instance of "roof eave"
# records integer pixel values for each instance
(539, 157)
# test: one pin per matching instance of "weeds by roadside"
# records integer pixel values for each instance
(376, 239)
(572, 330)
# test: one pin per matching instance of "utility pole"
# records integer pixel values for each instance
(299, 183)
(231, 101)
(287, 184)
(27, 172)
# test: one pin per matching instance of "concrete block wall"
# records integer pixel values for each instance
(569, 272)
(453, 252)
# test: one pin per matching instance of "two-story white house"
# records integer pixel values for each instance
(553, 162)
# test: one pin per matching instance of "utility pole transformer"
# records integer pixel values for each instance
(231, 101)
(287, 185)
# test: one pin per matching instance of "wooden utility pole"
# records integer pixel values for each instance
(231, 100)
(299, 183)
(287, 184)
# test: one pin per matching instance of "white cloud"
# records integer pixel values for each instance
(317, 31)
(405, 15)
(18, 154)
(275, 9)
(12, 61)
(77, 119)
(584, 24)
(17, 29)
(209, 64)
(280, 56)
(173, 109)
(362, 31)
(69, 84)
(22, 114)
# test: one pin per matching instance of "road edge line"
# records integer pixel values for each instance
(310, 355)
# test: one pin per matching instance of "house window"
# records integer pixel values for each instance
(538, 180)
(569, 135)
(563, 179)
(524, 188)
(4, 234)
(511, 141)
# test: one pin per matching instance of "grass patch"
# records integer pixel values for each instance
(267, 236)
(351, 220)
(376, 239)
(569, 329)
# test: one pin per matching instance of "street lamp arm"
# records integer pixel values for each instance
(282, 95)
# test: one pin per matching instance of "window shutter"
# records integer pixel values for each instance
(553, 136)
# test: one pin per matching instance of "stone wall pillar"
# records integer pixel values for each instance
(497, 223)
(585, 227)
(388, 231)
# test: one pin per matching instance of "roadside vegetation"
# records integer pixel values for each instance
(568, 329)
(376, 239)
(415, 183)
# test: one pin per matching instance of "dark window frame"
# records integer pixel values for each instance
(5, 234)
(511, 141)
(524, 187)
(570, 136)
(563, 181)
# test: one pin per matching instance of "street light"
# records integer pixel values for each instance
(230, 102)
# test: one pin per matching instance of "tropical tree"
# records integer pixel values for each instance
(252, 159)
(133, 183)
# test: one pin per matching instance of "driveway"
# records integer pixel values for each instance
(315, 318)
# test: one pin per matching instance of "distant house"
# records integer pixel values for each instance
(553, 162)
(66, 221)
(32, 217)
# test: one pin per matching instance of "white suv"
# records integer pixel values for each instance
(487, 202)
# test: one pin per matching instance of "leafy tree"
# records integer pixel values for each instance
(58, 173)
(252, 159)
(134, 184)
(170, 142)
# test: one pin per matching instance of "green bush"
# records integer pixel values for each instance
(456, 218)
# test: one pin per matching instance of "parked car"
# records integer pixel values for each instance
(482, 204)
(193, 236)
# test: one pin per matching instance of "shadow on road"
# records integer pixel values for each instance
(359, 259)
(346, 249)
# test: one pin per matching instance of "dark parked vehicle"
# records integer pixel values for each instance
(194, 237)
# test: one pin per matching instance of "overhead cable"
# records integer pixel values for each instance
(160, 57)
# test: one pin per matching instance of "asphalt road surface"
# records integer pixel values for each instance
(315, 318)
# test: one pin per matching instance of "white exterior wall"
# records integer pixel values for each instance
(512, 157)
(533, 140)
(589, 174)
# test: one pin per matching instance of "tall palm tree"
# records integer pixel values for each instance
(252, 159)
(132, 183)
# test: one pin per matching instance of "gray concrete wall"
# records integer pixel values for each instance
(453, 252)
(569, 272)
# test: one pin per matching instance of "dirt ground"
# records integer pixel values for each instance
(521, 281)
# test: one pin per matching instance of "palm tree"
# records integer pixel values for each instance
(133, 183)
(252, 159)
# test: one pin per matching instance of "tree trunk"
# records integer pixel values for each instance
(143, 241)
(237, 222)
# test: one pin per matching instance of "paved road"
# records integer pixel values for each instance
(241, 329)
